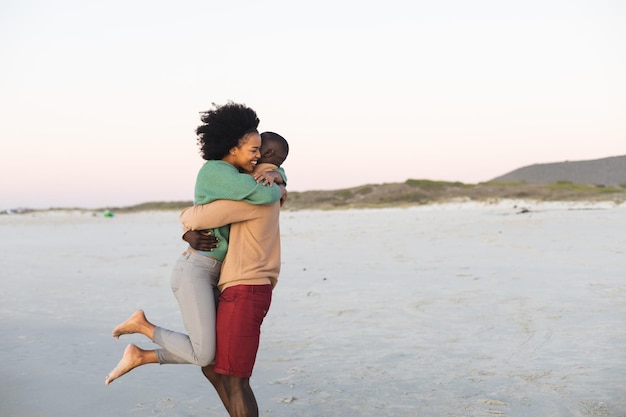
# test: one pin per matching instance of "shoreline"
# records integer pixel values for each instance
(500, 203)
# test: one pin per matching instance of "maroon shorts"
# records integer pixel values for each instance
(240, 312)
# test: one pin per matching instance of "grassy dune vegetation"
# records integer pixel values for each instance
(410, 192)
(422, 191)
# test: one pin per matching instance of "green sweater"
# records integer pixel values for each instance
(219, 180)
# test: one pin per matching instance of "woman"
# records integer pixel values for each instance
(230, 142)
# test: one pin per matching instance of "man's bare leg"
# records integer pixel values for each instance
(136, 323)
(216, 380)
(132, 358)
(241, 400)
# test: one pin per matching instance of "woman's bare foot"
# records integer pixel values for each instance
(136, 323)
(132, 358)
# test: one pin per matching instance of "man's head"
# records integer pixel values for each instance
(274, 148)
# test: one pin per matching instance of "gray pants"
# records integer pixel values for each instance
(193, 281)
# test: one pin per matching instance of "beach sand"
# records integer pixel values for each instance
(444, 310)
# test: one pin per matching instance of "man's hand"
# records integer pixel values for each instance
(283, 195)
(203, 241)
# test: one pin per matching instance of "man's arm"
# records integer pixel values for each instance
(218, 213)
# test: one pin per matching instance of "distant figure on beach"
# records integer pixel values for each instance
(231, 144)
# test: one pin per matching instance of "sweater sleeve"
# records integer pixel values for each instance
(216, 214)
(281, 171)
(218, 180)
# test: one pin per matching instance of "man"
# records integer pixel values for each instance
(249, 273)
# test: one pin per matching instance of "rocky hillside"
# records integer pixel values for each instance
(606, 171)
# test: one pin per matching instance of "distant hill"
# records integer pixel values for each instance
(595, 180)
(423, 191)
(600, 172)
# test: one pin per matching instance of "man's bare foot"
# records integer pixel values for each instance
(132, 358)
(136, 323)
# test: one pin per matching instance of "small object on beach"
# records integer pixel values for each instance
(108, 213)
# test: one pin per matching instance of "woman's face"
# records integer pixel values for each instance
(247, 153)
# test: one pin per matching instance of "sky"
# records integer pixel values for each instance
(99, 101)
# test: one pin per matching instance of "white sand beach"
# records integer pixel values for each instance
(445, 310)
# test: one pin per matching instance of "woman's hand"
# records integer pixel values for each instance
(268, 178)
(199, 240)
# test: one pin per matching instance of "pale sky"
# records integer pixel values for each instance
(99, 100)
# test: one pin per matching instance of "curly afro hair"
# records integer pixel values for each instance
(223, 128)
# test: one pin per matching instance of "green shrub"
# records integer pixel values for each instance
(568, 185)
(609, 190)
(434, 185)
(344, 194)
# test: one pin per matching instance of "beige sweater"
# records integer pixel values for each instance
(253, 256)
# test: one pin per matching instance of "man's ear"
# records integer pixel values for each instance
(268, 152)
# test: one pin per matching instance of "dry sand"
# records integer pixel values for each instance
(443, 310)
